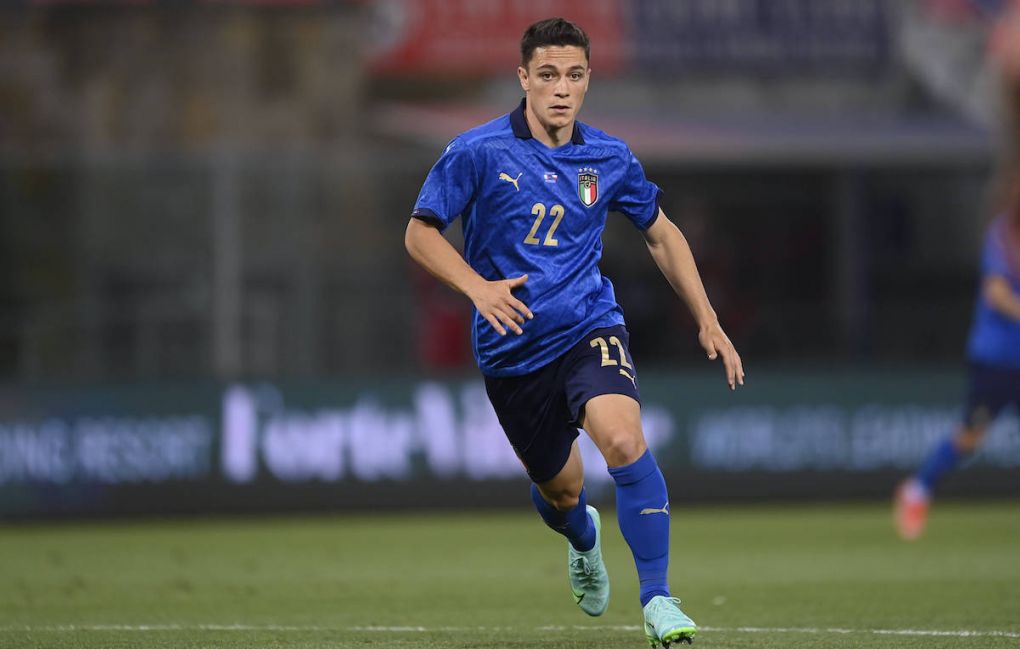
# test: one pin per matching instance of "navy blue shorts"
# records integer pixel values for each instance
(990, 389)
(540, 412)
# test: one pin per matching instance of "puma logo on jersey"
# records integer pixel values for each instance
(513, 181)
(649, 510)
(632, 379)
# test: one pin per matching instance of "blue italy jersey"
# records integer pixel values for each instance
(995, 338)
(529, 209)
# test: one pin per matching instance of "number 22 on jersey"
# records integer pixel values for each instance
(538, 210)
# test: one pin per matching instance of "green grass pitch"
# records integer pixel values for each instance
(793, 576)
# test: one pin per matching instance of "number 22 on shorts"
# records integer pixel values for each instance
(607, 361)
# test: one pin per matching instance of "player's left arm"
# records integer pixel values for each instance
(672, 254)
(1000, 296)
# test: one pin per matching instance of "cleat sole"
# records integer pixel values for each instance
(679, 636)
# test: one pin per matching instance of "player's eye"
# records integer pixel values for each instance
(545, 76)
(576, 76)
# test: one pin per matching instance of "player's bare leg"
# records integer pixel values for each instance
(613, 421)
(563, 491)
(558, 500)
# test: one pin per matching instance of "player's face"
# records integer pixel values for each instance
(555, 82)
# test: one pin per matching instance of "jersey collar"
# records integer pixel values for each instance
(519, 124)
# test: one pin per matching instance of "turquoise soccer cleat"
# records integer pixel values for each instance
(589, 581)
(666, 624)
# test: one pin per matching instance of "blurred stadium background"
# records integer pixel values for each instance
(205, 304)
(206, 308)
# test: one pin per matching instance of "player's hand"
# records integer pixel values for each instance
(496, 303)
(715, 342)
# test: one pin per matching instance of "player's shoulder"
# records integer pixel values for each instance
(492, 132)
(995, 233)
(997, 223)
(598, 138)
(998, 257)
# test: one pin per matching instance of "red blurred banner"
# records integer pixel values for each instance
(481, 36)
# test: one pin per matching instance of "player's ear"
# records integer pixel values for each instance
(522, 75)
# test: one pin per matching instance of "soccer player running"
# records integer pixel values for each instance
(993, 348)
(533, 189)
(993, 352)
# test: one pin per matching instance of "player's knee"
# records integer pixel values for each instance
(564, 500)
(624, 448)
(969, 438)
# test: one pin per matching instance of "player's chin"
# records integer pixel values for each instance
(560, 117)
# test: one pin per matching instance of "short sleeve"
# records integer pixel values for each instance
(993, 258)
(449, 188)
(637, 197)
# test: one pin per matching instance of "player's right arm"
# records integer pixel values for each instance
(451, 185)
(1000, 296)
(494, 300)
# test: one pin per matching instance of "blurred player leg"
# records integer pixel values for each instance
(914, 496)
(990, 390)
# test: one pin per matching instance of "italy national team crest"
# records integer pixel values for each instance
(588, 186)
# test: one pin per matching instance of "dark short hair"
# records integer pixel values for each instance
(553, 31)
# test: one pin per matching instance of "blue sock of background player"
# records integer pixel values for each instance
(642, 507)
(575, 524)
(942, 459)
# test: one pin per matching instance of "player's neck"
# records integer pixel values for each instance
(552, 138)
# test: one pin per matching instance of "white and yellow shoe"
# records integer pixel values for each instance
(589, 581)
(666, 624)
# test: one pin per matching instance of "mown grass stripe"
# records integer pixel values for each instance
(62, 628)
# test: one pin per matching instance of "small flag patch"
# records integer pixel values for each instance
(550, 177)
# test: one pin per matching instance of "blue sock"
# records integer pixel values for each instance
(575, 524)
(640, 487)
(940, 461)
